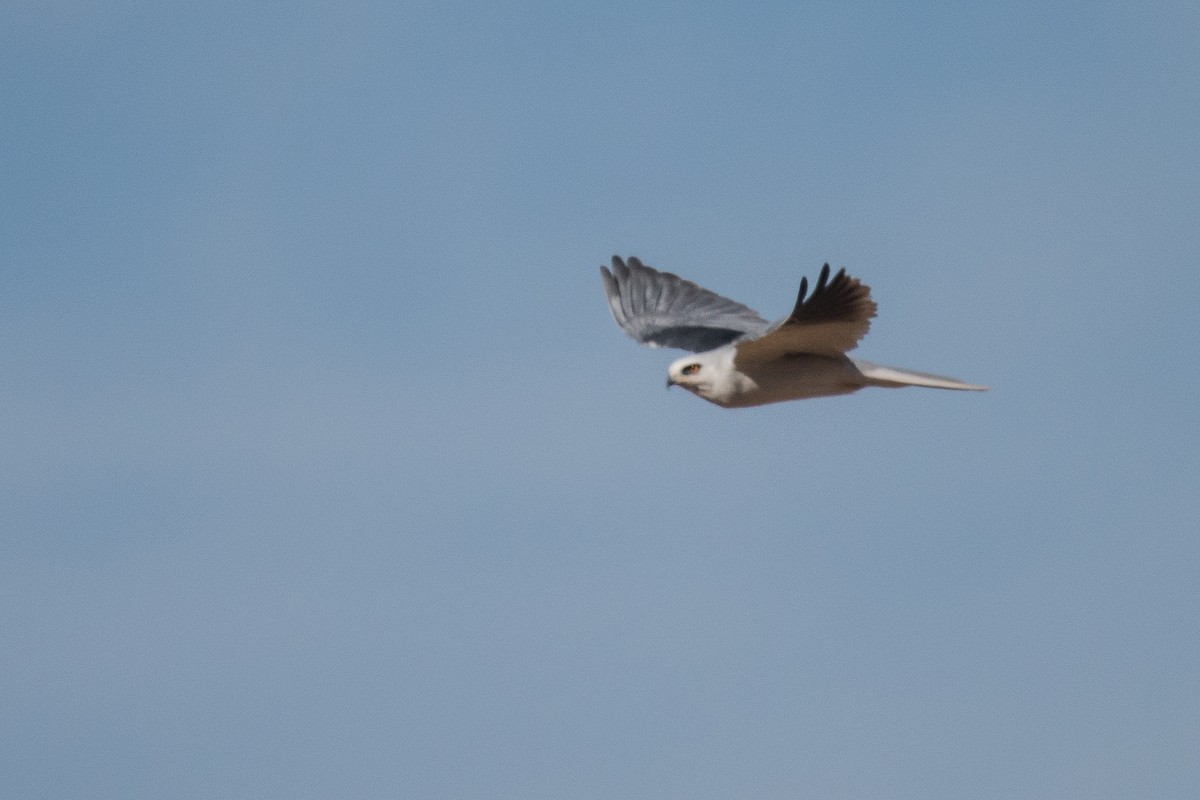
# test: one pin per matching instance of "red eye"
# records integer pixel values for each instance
(691, 369)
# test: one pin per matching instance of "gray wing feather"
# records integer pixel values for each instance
(660, 309)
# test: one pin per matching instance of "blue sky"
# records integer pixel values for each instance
(324, 471)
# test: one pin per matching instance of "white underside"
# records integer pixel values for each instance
(717, 377)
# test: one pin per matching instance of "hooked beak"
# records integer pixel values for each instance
(671, 382)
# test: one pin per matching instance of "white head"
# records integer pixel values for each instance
(705, 374)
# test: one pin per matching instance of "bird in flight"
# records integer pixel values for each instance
(742, 360)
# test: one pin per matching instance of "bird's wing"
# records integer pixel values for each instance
(660, 309)
(830, 322)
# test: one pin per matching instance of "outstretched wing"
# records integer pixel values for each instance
(659, 309)
(829, 323)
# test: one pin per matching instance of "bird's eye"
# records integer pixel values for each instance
(691, 369)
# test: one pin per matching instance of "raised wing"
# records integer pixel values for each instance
(829, 323)
(660, 309)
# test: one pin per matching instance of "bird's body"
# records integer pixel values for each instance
(740, 360)
(795, 376)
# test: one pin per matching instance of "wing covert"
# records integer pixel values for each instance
(661, 309)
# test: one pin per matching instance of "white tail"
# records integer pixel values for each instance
(880, 375)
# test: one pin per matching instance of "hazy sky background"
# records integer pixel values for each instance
(324, 471)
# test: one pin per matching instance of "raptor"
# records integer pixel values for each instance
(739, 359)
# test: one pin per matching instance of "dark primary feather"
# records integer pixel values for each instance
(831, 321)
(843, 298)
(661, 309)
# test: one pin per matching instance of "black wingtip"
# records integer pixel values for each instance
(821, 289)
(801, 295)
(823, 280)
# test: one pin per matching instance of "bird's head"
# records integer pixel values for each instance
(696, 373)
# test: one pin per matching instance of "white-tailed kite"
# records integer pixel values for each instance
(741, 359)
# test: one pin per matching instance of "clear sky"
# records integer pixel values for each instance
(324, 471)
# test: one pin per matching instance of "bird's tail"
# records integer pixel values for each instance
(879, 375)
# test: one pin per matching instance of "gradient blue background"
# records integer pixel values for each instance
(324, 471)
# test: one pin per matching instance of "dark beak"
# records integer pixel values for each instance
(670, 382)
